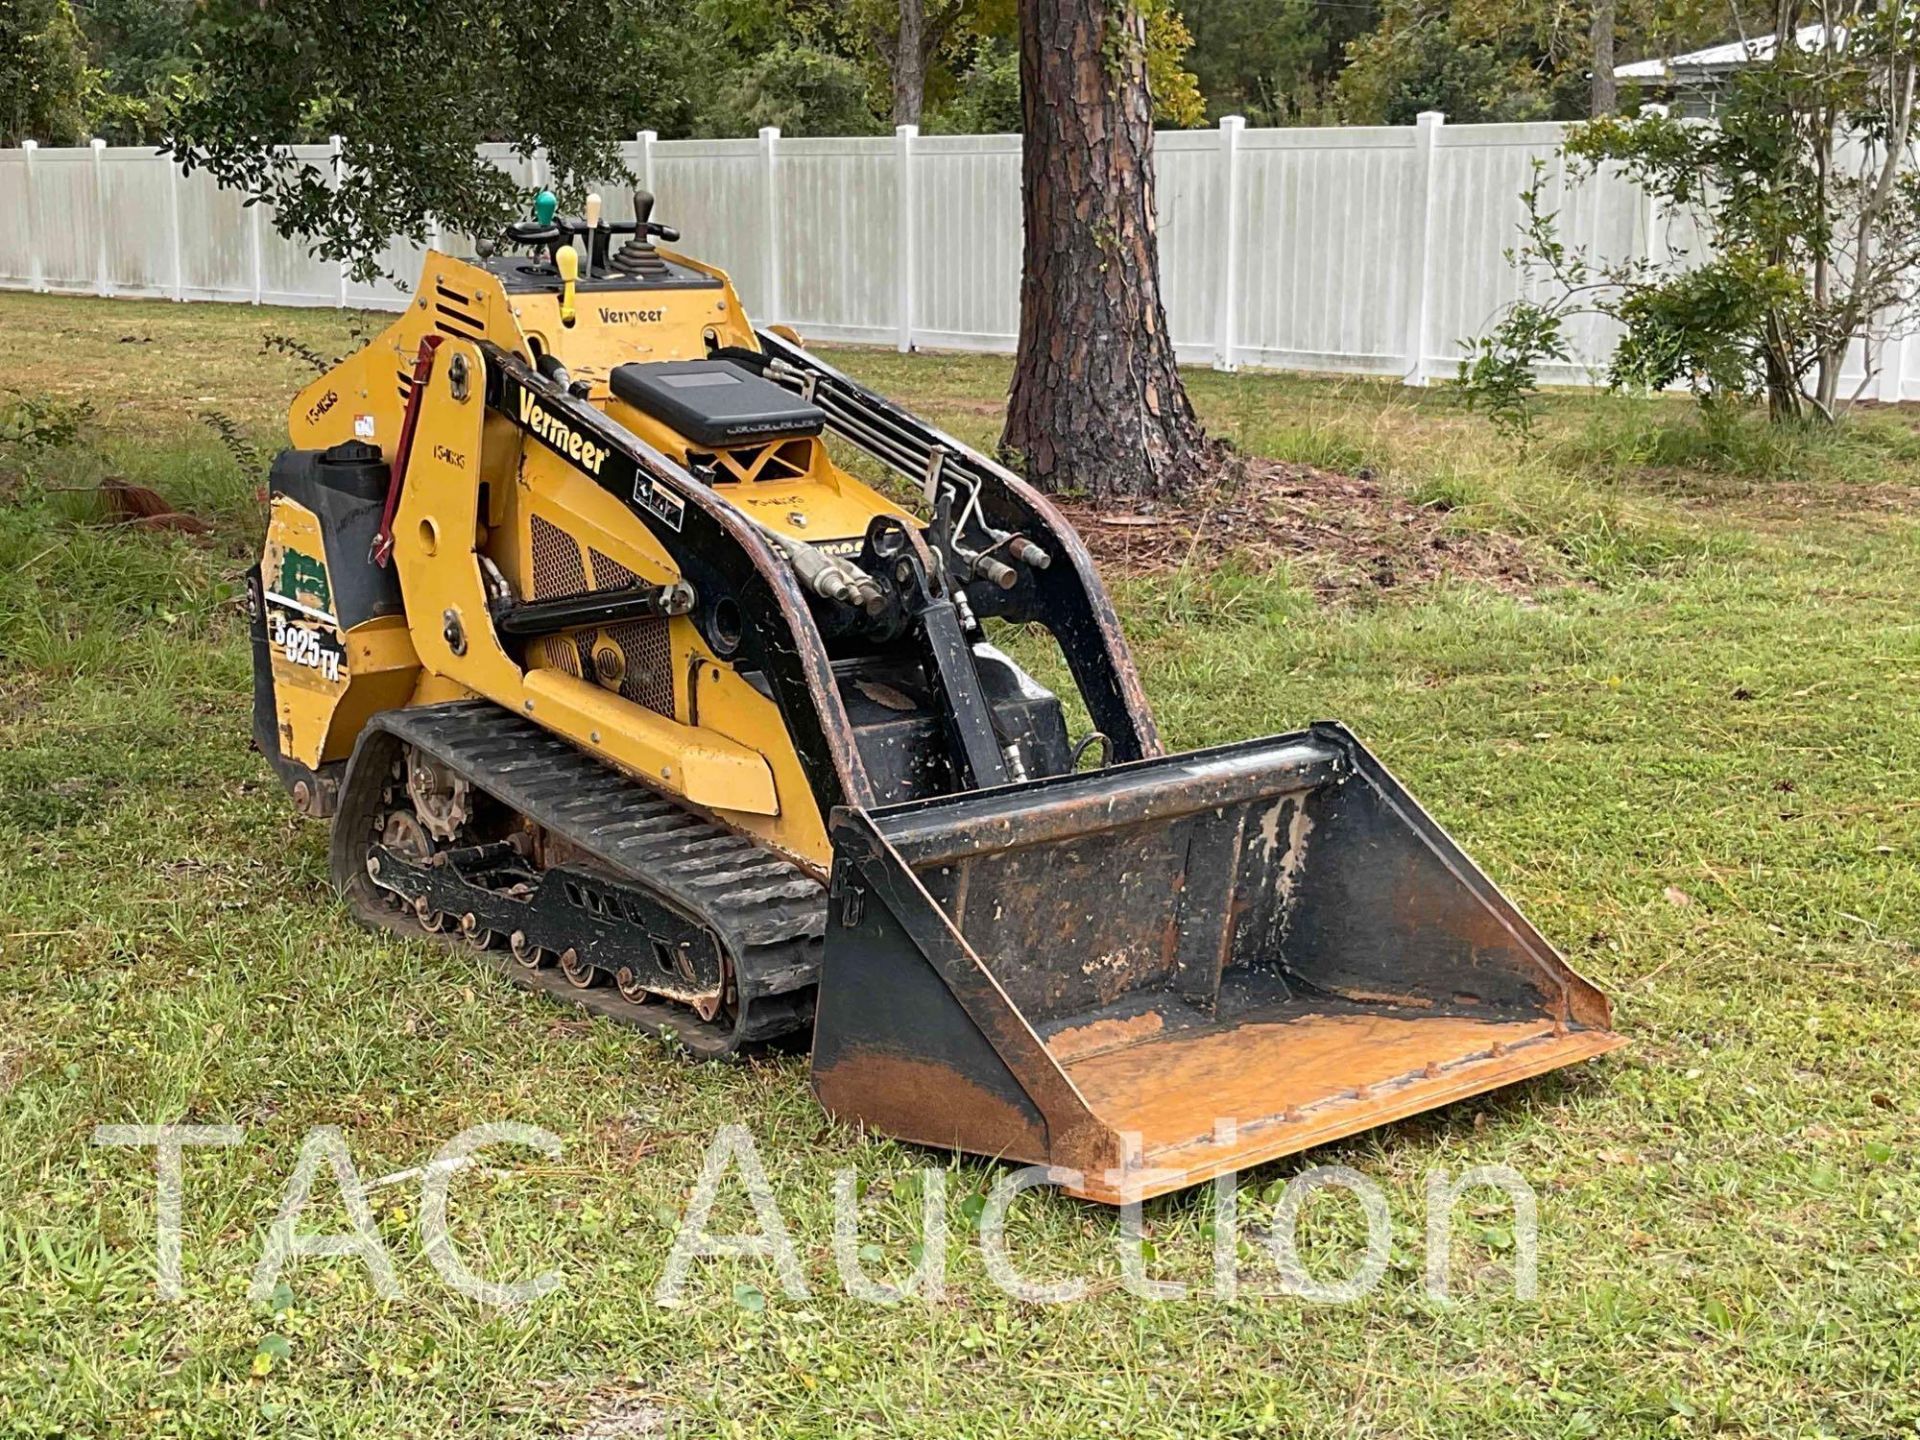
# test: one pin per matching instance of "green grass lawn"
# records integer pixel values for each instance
(1689, 751)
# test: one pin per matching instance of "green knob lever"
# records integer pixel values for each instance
(544, 204)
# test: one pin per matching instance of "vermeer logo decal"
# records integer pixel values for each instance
(560, 435)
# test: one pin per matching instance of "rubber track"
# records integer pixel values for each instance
(770, 914)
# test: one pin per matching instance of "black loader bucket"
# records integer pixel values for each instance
(1159, 972)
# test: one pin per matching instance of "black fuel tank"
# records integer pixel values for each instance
(346, 487)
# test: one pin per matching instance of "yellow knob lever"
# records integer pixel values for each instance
(568, 261)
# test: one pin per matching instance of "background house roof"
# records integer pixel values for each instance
(1715, 58)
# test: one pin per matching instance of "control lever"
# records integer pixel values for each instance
(643, 221)
(551, 230)
(597, 236)
(567, 262)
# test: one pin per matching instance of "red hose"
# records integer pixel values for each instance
(422, 369)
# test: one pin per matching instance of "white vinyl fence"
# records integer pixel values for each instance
(1366, 250)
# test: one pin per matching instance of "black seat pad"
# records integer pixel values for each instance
(715, 402)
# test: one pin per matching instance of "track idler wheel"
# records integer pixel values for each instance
(580, 974)
(525, 953)
(477, 935)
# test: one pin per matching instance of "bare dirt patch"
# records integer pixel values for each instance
(619, 1409)
(623, 1421)
(1347, 534)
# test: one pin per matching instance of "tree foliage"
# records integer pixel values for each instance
(1273, 61)
(908, 48)
(713, 66)
(986, 98)
(1484, 61)
(141, 55)
(801, 89)
(1415, 63)
(44, 79)
(970, 82)
(1173, 89)
(1805, 198)
(411, 87)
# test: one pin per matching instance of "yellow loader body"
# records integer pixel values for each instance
(572, 619)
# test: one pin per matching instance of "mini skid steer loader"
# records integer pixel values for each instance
(571, 623)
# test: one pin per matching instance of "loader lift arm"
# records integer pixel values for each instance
(749, 603)
(1065, 594)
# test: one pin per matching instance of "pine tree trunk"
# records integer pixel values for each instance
(1606, 91)
(1097, 404)
(910, 63)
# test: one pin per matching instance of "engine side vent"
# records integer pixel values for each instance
(636, 656)
(610, 574)
(557, 566)
(646, 675)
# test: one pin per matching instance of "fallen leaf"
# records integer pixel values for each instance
(885, 695)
